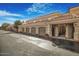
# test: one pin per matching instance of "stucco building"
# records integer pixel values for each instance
(55, 25)
(11, 28)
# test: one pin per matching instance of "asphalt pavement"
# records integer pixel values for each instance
(14, 44)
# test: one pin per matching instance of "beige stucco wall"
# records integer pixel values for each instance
(74, 10)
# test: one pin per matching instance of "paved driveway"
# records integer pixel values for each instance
(12, 44)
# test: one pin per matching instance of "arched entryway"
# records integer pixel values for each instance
(42, 30)
(62, 30)
(33, 30)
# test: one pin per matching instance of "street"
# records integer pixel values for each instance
(14, 44)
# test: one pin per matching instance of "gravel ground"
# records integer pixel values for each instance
(12, 44)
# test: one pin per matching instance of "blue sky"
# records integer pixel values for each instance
(9, 12)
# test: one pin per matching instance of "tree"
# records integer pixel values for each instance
(4, 26)
(16, 23)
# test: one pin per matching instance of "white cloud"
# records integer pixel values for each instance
(5, 13)
(7, 17)
(11, 19)
(8, 20)
(39, 8)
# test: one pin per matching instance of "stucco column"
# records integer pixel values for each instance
(24, 29)
(37, 30)
(76, 33)
(49, 30)
(68, 33)
(19, 28)
(29, 29)
(56, 30)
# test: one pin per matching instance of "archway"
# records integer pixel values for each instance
(62, 30)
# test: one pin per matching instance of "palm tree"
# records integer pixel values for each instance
(17, 23)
